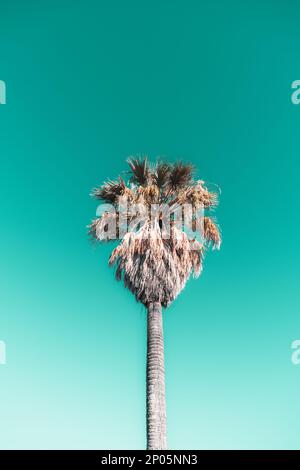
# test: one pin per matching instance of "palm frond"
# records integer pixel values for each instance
(105, 227)
(211, 232)
(139, 170)
(161, 174)
(153, 269)
(110, 191)
(180, 176)
(199, 196)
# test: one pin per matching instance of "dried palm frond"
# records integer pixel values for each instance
(211, 232)
(198, 196)
(105, 227)
(153, 269)
(151, 194)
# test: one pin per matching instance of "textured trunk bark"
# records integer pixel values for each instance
(156, 401)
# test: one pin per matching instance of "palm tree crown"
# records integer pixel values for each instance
(155, 260)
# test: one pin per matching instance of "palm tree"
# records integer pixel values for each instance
(155, 259)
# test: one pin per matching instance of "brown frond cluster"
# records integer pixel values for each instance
(153, 267)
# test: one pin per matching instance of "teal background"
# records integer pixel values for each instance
(89, 83)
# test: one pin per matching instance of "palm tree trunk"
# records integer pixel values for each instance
(156, 402)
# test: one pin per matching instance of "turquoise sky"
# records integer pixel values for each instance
(89, 83)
